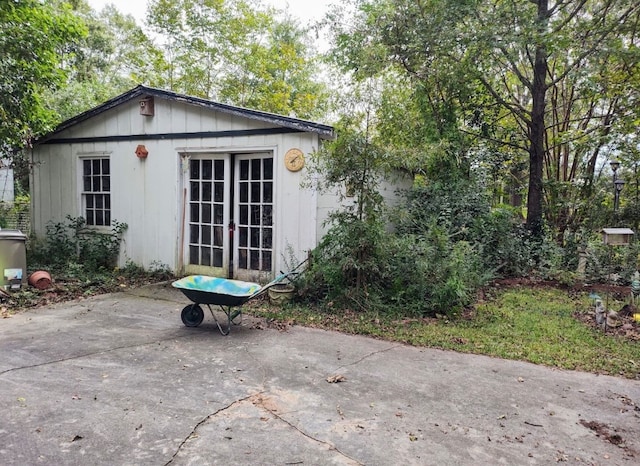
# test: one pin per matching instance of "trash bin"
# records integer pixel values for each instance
(13, 259)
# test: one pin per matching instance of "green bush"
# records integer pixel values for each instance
(70, 244)
(364, 267)
(611, 264)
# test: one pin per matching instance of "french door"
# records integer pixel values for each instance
(229, 215)
(253, 216)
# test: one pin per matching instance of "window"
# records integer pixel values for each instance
(96, 191)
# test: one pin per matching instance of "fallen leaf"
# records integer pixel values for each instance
(336, 379)
(76, 438)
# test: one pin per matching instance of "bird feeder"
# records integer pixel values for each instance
(617, 236)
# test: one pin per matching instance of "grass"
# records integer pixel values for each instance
(538, 325)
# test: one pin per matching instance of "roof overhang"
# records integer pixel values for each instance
(293, 124)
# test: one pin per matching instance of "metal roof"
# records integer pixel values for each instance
(295, 124)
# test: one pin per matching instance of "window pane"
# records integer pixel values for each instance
(255, 169)
(206, 256)
(244, 215)
(244, 237)
(217, 257)
(95, 167)
(195, 169)
(86, 167)
(244, 192)
(107, 217)
(267, 240)
(255, 260)
(194, 235)
(242, 259)
(244, 169)
(218, 212)
(255, 192)
(99, 203)
(267, 216)
(206, 234)
(255, 215)
(206, 191)
(195, 191)
(207, 169)
(95, 184)
(194, 258)
(267, 195)
(195, 212)
(218, 170)
(206, 213)
(89, 201)
(105, 167)
(218, 195)
(87, 183)
(218, 236)
(266, 261)
(268, 168)
(99, 217)
(255, 238)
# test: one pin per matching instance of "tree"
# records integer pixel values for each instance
(237, 53)
(35, 38)
(115, 56)
(276, 74)
(537, 77)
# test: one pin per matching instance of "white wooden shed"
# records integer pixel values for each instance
(204, 188)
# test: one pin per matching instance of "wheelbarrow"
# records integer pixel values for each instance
(225, 293)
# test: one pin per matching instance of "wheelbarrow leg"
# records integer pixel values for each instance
(222, 330)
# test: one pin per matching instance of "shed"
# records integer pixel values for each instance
(205, 188)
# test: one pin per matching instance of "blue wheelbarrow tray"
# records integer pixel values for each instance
(221, 291)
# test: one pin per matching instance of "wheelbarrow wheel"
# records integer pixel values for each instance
(192, 315)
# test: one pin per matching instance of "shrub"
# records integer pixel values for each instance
(71, 242)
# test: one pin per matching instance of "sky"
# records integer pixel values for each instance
(305, 10)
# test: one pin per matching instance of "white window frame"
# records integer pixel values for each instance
(84, 193)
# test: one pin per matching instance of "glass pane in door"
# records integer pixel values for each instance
(255, 213)
(206, 207)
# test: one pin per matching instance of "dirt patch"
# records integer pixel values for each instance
(608, 434)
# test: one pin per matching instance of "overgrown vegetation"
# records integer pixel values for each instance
(72, 248)
(82, 262)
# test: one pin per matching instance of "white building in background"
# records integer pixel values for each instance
(7, 193)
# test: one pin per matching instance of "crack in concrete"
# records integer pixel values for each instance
(85, 355)
(259, 402)
(367, 356)
(204, 420)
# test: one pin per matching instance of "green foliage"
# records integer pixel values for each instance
(238, 53)
(115, 56)
(34, 38)
(361, 264)
(15, 215)
(524, 82)
(156, 272)
(70, 245)
(611, 264)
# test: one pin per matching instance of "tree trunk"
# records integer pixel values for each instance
(537, 128)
